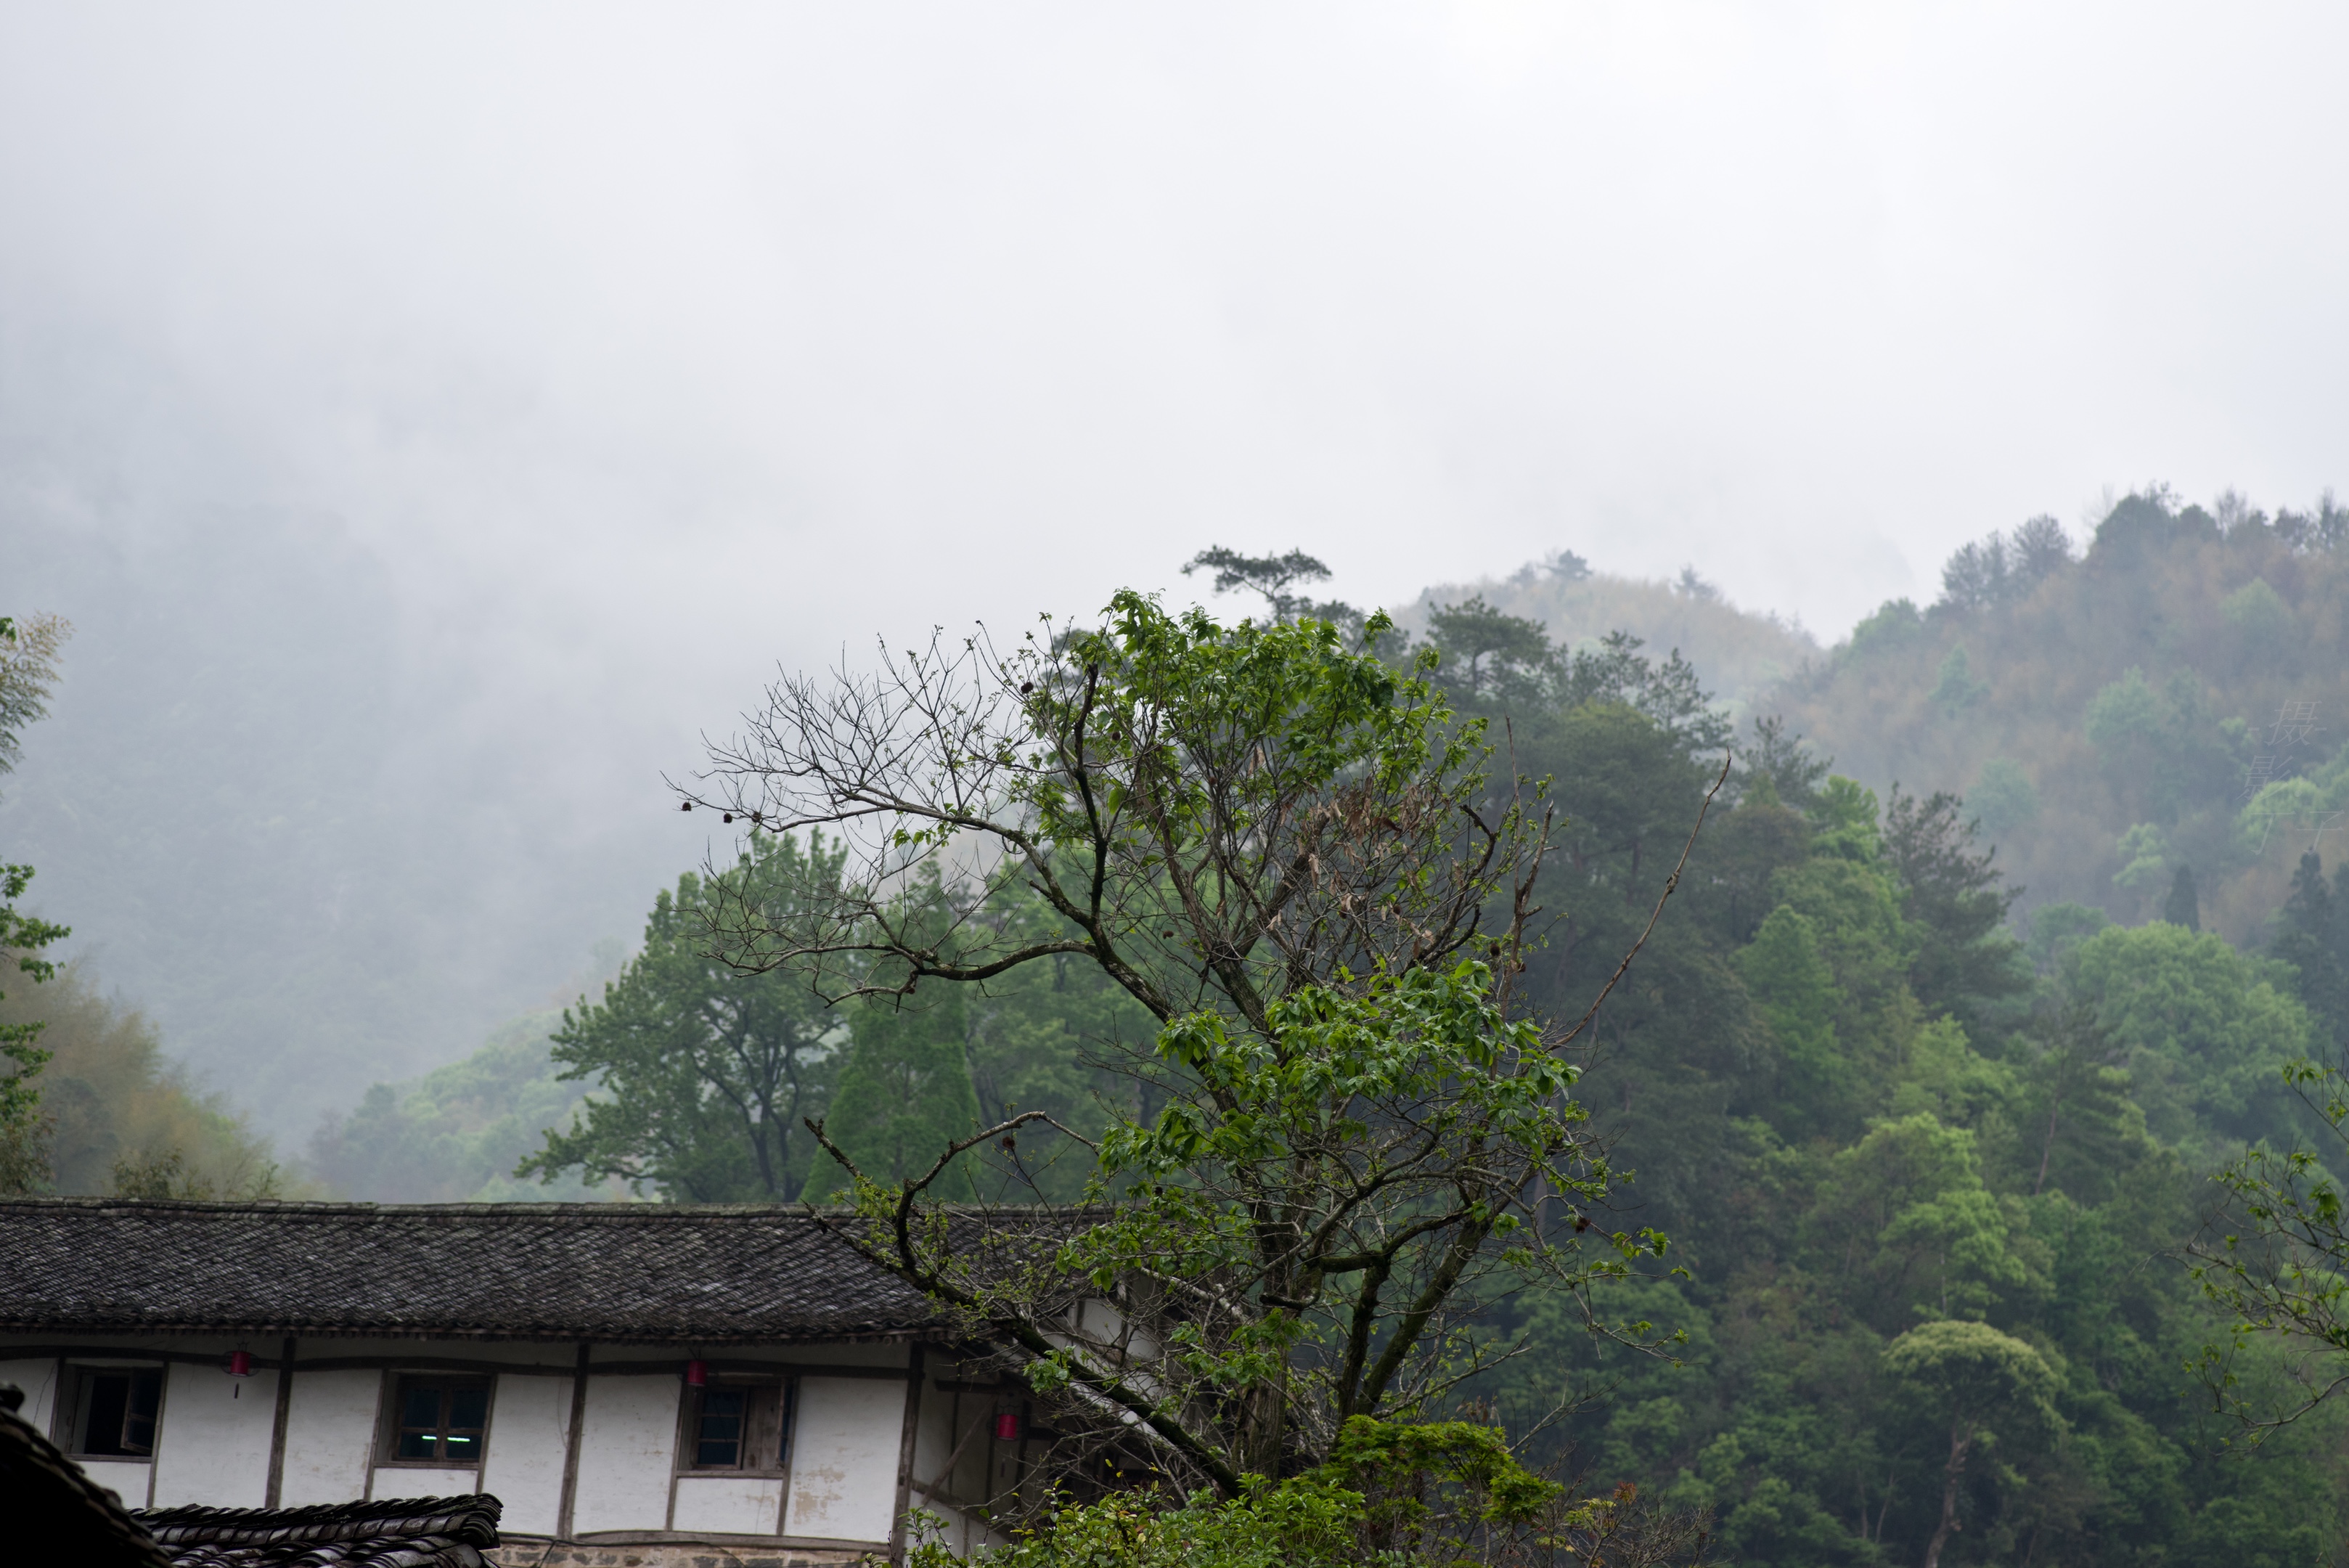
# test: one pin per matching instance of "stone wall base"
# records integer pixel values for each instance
(520, 1551)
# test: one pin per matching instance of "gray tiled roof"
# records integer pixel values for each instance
(414, 1532)
(649, 1273)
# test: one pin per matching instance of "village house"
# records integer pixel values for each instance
(645, 1384)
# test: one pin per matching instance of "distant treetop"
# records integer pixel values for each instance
(1271, 575)
(2001, 569)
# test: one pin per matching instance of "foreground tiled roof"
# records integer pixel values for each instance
(414, 1532)
(655, 1273)
(50, 1513)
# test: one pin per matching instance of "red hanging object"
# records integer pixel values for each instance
(239, 1364)
(1006, 1426)
(696, 1374)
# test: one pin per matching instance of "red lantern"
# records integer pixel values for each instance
(1006, 1426)
(696, 1374)
(239, 1364)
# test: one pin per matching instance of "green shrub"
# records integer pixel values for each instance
(1305, 1523)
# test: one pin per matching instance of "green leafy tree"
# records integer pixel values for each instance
(2077, 1106)
(1393, 1495)
(709, 1071)
(1955, 688)
(1273, 576)
(1486, 657)
(2163, 751)
(1677, 1037)
(1907, 1205)
(1290, 858)
(1207, 812)
(2004, 795)
(2183, 907)
(2208, 1030)
(2058, 928)
(2312, 935)
(1985, 1381)
(2276, 1262)
(30, 651)
(1965, 962)
(905, 1093)
(1794, 991)
(1854, 899)
(455, 1135)
(28, 661)
(1670, 692)
(23, 936)
(925, 1070)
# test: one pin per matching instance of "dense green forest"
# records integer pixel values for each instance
(1967, 992)
(1997, 938)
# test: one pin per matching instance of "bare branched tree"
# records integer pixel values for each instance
(1291, 855)
(1218, 815)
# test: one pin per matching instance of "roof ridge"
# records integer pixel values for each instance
(606, 1209)
(641, 1273)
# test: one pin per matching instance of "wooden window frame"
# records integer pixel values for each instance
(786, 1415)
(388, 1422)
(67, 1420)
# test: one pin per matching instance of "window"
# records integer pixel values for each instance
(114, 1411)
(736, 1424)
(438, 1420)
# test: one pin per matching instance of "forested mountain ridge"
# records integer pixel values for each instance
(1926, 1188)
(2108, 714)
(1869, 1089)
(1927, 1154)
(1740, 657)
(2110, 718)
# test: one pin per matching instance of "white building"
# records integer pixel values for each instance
(650, 1383)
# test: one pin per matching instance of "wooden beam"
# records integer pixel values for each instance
(277, 1431)
(563, 1513)
(905, 1458)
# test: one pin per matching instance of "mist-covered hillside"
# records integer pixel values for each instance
(455, 1135)
(1741, 656)
(279, 820)
(2118, 715)
(282, 825)
(2166, 696)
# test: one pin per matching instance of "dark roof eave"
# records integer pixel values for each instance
(549, 1334)
(613, 1273)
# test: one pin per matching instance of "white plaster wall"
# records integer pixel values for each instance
(529, 1424)
(856, 1354)
(627, 1446)
(934, 1435)
(126, 1479)
(415, 1480)
(38, 1379)
(732, 1505)
(214, 1444)
(329, 1436)
(845, 1457)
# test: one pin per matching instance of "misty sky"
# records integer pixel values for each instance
(641, 348)
(748, 330)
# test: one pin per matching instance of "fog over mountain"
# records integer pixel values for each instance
(433, 418)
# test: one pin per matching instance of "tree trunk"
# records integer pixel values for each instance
(2047, 1149)
(1951, 1474)
(1960, 1442)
